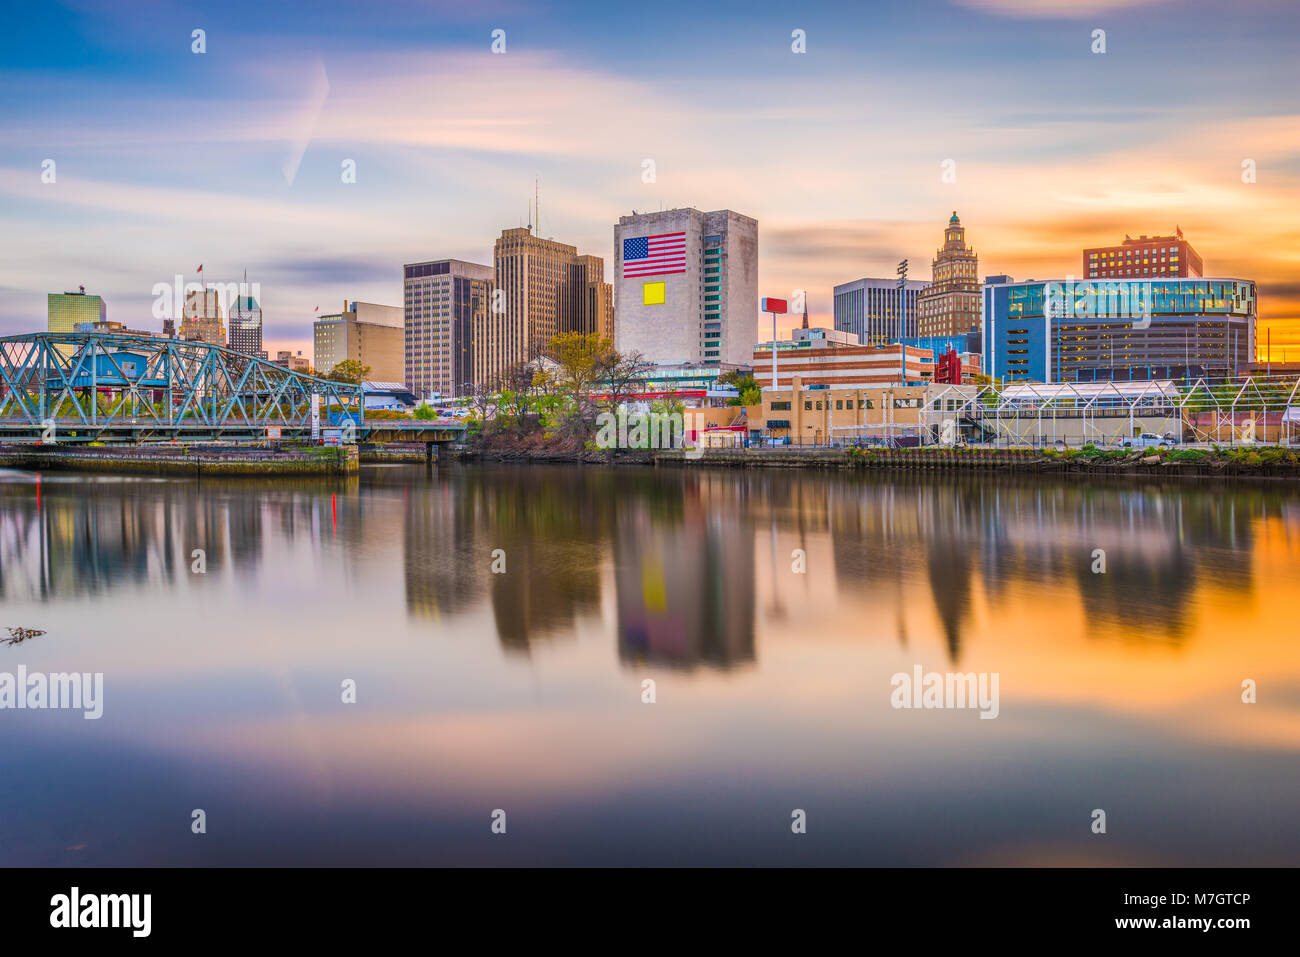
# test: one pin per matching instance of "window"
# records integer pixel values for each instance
(780, 406)
(866, 404)
(807, 406)
(819, 406)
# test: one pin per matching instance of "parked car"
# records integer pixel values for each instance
(1149, 440)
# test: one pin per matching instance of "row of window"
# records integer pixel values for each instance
(843, 405)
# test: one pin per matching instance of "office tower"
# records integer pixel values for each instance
(873, 309)
(687, 286)
(444, 301)
(365, 332)
(593, 311)
(541, 289)
(201, 317)
(951, 306)
(1165, 256)
(246, 326)
(65, 310)
(169, 329)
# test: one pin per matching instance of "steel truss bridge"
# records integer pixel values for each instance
(83, 387)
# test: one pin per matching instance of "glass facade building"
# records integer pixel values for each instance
(64, 311)
(1117, 330)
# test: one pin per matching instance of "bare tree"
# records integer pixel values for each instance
(626, 376)
(516, 385)
(482, 399)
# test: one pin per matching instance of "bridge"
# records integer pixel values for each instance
(110, 387)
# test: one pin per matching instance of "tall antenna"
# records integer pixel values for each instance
(537, 203)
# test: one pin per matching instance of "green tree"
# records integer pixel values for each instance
(745, 384)
(424, 412)
(349, 371)
(582, 360)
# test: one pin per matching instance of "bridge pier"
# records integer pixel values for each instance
(428, 455)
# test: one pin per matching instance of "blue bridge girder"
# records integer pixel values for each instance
(114, 386)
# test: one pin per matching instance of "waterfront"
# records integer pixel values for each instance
(522, 690)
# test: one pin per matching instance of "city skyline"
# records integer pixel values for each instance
(1056, 148)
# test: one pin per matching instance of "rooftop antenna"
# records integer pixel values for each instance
(537, 203)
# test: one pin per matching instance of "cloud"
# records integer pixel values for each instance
(1055, 9)
(311, 109)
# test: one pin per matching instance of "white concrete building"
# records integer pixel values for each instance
(686, 286)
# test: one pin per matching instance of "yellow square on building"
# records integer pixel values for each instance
(652, 294)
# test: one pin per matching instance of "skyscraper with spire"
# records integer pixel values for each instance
(951, 305)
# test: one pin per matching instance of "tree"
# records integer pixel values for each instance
(625, 376)
(350, 371)
(517, 390)
(482, 400)
(744, 384)
(582, 360)
(424, 412)
(752, 396)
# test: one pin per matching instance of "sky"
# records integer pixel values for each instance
(234, 158)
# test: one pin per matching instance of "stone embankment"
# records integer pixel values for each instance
(180, 459)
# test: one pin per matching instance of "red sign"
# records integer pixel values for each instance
(775, 305)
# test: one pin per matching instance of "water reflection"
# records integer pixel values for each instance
(771, 608)
(694, 555)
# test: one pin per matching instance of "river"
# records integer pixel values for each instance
(633, 666)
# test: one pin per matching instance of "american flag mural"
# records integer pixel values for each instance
(654, 255)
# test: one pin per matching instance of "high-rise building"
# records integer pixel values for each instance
(246, 326)
(1117, 330)
(445, 302)
(687, 286)
(873, 309)
(542, 288)
(1165, 256)
(65, 310)
(201, 317)
(365, 332)
(593, 310)
(951, 305)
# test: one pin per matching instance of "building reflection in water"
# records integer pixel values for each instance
(684, 576)
(696, 557)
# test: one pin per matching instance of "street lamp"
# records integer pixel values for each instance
(902, 297)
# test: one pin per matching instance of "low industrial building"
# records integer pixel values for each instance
(394, 396)
(827, 357)
(817, 414)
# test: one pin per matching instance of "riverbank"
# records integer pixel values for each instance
(183, 460)
(1241, 462)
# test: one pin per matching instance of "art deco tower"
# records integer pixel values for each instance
(951, 306)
